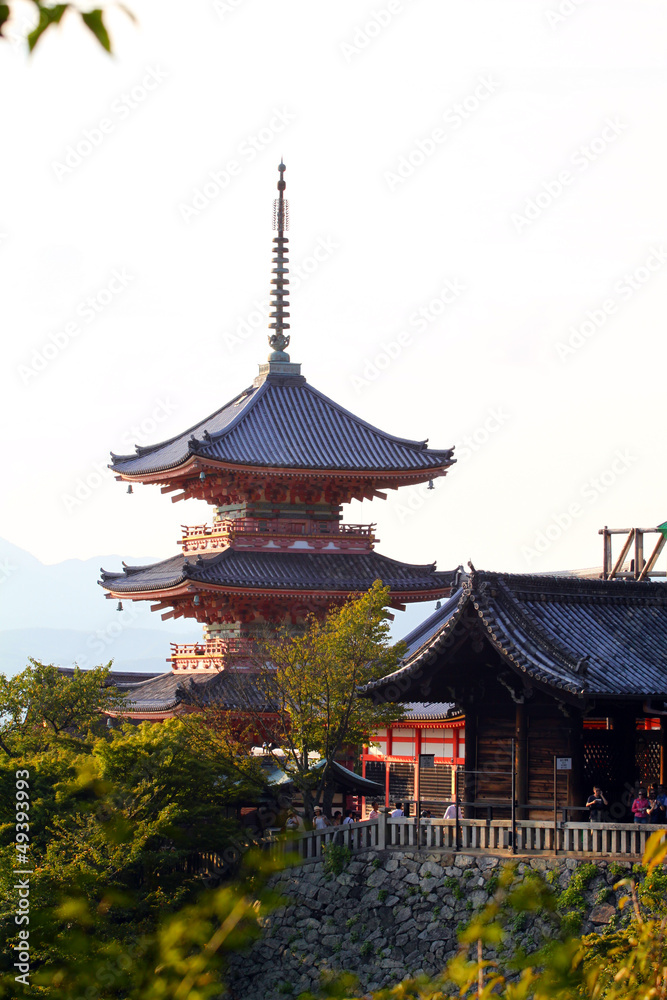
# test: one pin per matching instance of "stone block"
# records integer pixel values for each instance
(403, 913)
(331, 940)
(376, 878)
(412, 878)
(391, 865)
(432, 869)
(602, 914)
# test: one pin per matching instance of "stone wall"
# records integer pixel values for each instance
(390, 915)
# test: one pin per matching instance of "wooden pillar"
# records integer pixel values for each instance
(521, 761)
(663, 749)
(625, 736)
(577, 790)
(417, 774)
(470, 761)
(387, 765)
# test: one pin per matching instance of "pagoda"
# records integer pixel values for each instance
(277, 463)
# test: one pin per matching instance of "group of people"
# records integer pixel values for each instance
(320, 819)
(651, 807)
(648, 807)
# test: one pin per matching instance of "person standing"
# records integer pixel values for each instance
(596, 803)
(375, 811)
(640, 807)
(321, 822)
(398, 810)
(656, 809)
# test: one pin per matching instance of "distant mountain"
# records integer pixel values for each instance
(65, 595)
(59, 614)
(131, 649)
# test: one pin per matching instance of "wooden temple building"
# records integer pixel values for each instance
(563, 681)
(277, 464)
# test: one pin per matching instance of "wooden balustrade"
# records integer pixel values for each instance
(624, 840)
(230, 526)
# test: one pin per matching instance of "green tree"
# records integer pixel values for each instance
(312, 681)
(41, 703)
(113, 827)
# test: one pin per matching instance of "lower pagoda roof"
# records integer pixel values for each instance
(584, 638)
(167, 692)
(282, 572)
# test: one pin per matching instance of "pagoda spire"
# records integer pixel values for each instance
(278, 340)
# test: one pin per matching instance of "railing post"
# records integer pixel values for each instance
(382, 831)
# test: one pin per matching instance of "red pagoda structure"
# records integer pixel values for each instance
(277, 462)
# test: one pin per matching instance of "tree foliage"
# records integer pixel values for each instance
(113, 826)
(312, 679)
(49, 15)
(41, 703)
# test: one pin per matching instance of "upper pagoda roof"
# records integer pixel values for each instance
(282, 422)
(279, 572)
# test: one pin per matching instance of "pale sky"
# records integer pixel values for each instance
(498, 165)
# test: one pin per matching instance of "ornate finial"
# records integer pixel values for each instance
(280, 292)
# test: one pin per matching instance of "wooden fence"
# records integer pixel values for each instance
(625, 840)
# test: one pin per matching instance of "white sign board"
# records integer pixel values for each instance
(563, 763)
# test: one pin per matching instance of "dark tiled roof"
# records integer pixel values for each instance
(289, 425)
(117, 677)
(164, 692)
(421, 711)
(585, 637)
(277, 571)
(158, 694)
(231, 690)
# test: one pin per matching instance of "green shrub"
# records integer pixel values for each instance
(451, 883)
(366, 949)
(382, 895)
(572, 898)
(617, 871)
(336, 858)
